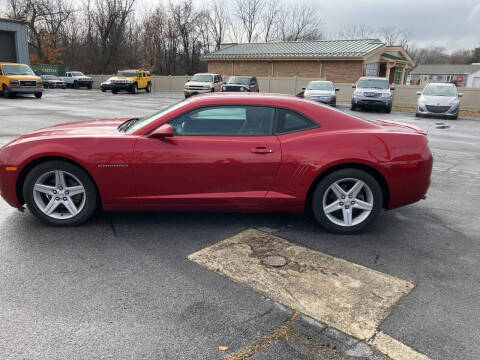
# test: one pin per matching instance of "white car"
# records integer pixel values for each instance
(321, 91)
(439, 99)
(203, 83)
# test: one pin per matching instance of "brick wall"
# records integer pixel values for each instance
(342, 71)
(336, 70)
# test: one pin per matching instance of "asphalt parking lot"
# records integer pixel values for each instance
(122, 287)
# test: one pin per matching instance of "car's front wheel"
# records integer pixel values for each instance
(60, 193)
(346, 201)
(148, 88)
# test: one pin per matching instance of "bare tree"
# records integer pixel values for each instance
(356, 31)
(395, 36)
(270, 19)
(249, 12)
(300, 22)
(218, 20)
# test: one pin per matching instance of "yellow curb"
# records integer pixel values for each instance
(394, 348)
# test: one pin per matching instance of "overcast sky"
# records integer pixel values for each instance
(453, 24)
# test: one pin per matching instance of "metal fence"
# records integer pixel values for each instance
(402, 96)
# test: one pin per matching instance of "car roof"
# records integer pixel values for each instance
(247, 98)
(205, 74)
(133, 70)
(441, 84)
(321, 81)
(372, 78)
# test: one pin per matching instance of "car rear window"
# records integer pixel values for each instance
(290, 121)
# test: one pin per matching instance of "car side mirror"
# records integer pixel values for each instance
(460, 94)
(354, 86)
(337, 90)
(303, 89)
(392, 88)
(419, 93)
(166, 130)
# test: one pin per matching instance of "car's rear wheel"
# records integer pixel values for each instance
(38, 95)
(134, 89)
(148, 88)
(75, 85)
(346, 201)
(60, 193)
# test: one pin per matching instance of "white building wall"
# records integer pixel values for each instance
(473, 80)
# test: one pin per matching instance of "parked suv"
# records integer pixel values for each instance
(241, 83)
(131, 81)
(202, 83)
(372, 92)
(19, 79)
(321, 91)
(439, 99)
(77, 80)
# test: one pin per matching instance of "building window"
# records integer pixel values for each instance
(371, 69)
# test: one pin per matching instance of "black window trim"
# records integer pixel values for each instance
(314, 124)
(272, 133)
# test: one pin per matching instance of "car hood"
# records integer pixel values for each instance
(199, 83)
(94, 128)
(319, 92)
(439, 100)
(24, 77)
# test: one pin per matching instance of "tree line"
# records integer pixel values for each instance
(101, 36)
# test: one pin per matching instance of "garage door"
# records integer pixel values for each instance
(476, 82)
(7, 46)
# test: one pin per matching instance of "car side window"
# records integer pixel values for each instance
(226, 120)
(290, 121)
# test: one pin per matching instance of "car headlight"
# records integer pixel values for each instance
(14, 82)
(455, 102)
(186, 87)
(207, 87)
(386, 94)
(224, 88)
(243, 88)
(422, 100)
(129, 81)
(358, 93)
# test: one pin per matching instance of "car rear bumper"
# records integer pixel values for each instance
(25, 89)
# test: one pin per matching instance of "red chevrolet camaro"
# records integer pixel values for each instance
(226, 152)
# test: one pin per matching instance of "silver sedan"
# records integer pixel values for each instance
(439, 99)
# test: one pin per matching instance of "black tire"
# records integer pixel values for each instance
(7, 93)
(114, 91)
(388, 109)
(418, 115)
(323, 188)
(148, 88)
(187, 96)
(91, 196)
(38, 95)
(89, 86)
(134, 89)
(353, 107)
(51, 86)
(75, 85)
(455, 117)
(103, 90)
(64, 87)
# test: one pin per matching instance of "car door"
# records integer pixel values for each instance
(220, 157)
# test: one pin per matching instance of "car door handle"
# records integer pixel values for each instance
(261, 150)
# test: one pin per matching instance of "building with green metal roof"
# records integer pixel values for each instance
(335, 60)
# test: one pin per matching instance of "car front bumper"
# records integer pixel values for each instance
(330, 100)
(196, 91)
(25, 89)
(371, 102)
(432, 110)
(120, 87)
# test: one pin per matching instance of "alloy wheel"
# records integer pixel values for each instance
(59, 194)
(348, 202)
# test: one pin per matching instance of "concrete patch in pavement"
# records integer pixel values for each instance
(341, 294)
(394, 348)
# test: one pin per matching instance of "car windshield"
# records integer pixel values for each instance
(148, 119)
(320, 85)
(373, 84)
(126, 73)
(203, 78)
(77, 73)
(17, 70)
(242, 80)
(440, 90)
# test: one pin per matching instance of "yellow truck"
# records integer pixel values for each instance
(131, 81)
(19, 79)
